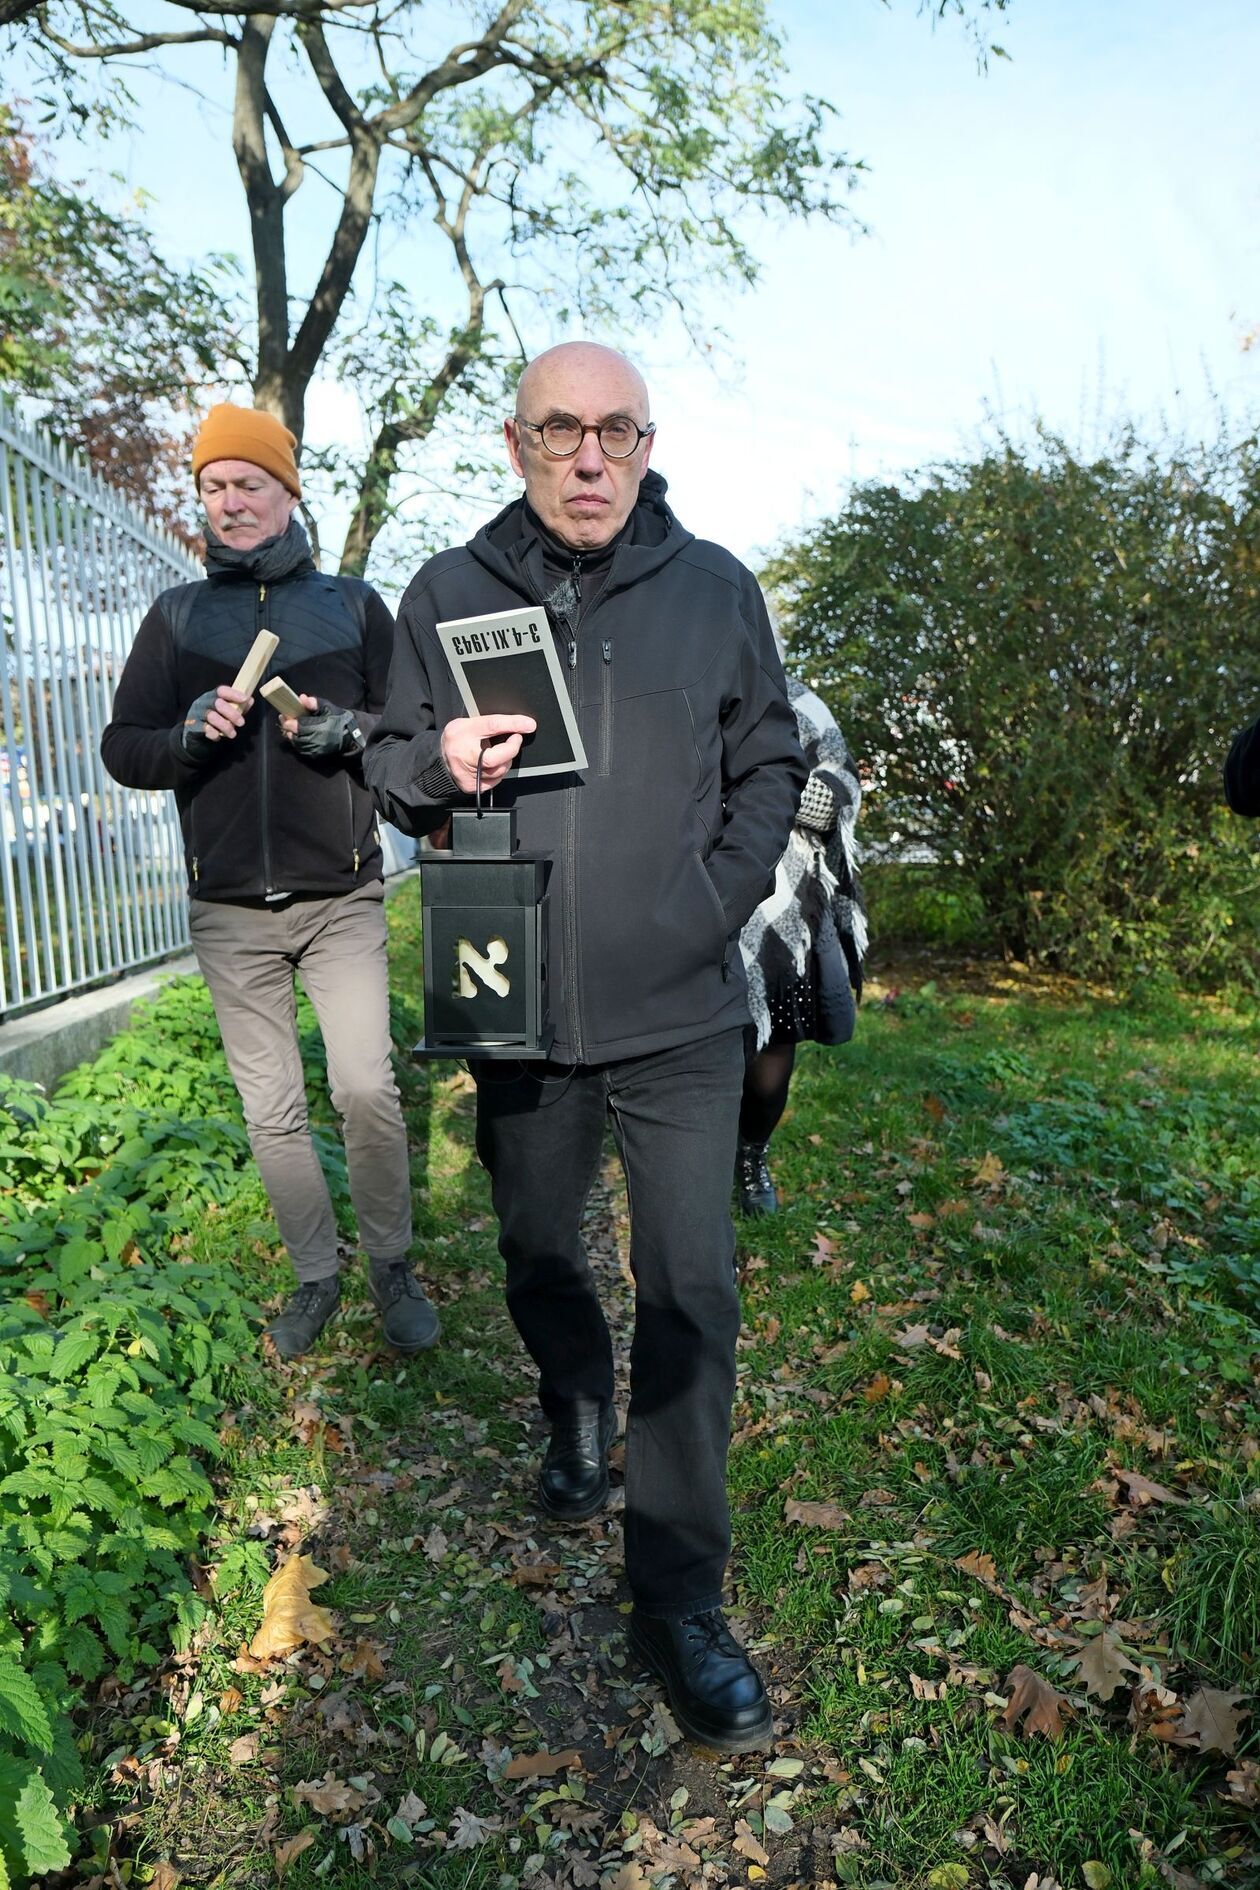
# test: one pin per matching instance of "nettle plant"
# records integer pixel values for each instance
(117, 1356)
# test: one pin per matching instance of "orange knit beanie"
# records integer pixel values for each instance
(230, 432)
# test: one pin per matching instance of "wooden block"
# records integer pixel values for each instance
(265, 645)
(282, 698)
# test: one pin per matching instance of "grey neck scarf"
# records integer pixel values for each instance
(274, 558)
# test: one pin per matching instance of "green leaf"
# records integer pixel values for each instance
(73, 1352)
(22, 1712)
(42, 1830)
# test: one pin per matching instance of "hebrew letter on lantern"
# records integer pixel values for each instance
(468, 959)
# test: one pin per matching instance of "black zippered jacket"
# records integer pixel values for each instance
(670, 839)
(259, 820)
(1242, 772)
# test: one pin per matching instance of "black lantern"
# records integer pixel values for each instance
(485, 943)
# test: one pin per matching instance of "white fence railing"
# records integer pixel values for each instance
(91, 873)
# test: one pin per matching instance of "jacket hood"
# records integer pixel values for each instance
(510, 545)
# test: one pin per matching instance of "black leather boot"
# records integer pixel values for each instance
(752, 1179)
(573, 1480)
(303, 1317)
(408, 1317)
(715, 1693)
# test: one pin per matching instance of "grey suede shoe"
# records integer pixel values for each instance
(408, 1316)
(303, 1317)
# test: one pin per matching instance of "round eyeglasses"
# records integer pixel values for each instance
(562, 435)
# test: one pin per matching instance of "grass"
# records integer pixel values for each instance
(1015, 1264)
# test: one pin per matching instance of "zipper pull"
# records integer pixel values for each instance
(196, 869)
(356, 859)
(572, 653)
(262, 593)
(608, 649)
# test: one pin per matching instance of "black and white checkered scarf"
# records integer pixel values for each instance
(816, 875)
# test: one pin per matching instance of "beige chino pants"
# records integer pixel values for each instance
(249, 956)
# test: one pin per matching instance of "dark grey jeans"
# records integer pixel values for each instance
(540, 1132)
(249, 956)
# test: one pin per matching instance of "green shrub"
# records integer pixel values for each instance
(1039, 662)
(117, 1356)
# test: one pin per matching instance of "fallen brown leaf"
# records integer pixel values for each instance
(331, 1795)
(747, 1844)
(878, 1389)
(816, 1515)
(165, 1877)
(1102, 1664)
(284, 1854)
(1212, 1719)
(988, 1172)
(1034, 1701)
(982, 1566)
(244, 1751)
(541, 1764)
(289, 1615)
(364, 1661)
(1141, 1491)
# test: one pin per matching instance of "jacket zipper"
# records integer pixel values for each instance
(265, 797)
(354, 851)
(606, 710)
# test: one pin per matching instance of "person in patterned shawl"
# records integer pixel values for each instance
(803, 946)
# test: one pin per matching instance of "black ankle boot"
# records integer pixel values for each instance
(573, 1480)
(752, 1179)
(303, 1317)
(715, 1693)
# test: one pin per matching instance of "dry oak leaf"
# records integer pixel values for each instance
(1102, 1664)
(1211, 1719)
(878, 1389)
(747, 1844)
(244, 1751)
(816, 1515)
(982, 1566)
(1141, 1491)
(911, 1336)
(289, 1615)
(330, 1795)
(230, 1699)
(1244, 1785)
(165, 1877)
(877, 1499)
(284, 1854)
(468, 1830)
(1033, 1700)
(629, 1877)
(365, 1661)
(541, 1764)
(988, 1172)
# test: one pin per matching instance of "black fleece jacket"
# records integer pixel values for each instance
(260, 821)
(1242, 772)
(663, 848)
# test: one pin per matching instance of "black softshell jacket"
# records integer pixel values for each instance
(665, 845)
(259, 820)
(1242, 772)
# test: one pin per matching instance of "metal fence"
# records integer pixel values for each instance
(91, 873)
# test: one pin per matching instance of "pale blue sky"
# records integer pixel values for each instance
(1075, 232)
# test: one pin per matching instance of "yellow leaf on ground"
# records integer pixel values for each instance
(989, 1171)
(289, 1615)
(165, 1877)
(858, 1292)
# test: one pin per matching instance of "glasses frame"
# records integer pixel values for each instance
(537, 426)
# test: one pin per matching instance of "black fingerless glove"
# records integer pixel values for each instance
(195, 742)
(328, 731)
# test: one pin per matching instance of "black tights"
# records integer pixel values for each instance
(766, 1079)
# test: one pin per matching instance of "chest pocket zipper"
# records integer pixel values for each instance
(606, 709)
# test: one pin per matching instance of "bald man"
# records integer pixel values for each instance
(660, 850)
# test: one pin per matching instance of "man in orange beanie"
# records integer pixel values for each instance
(284, 858)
